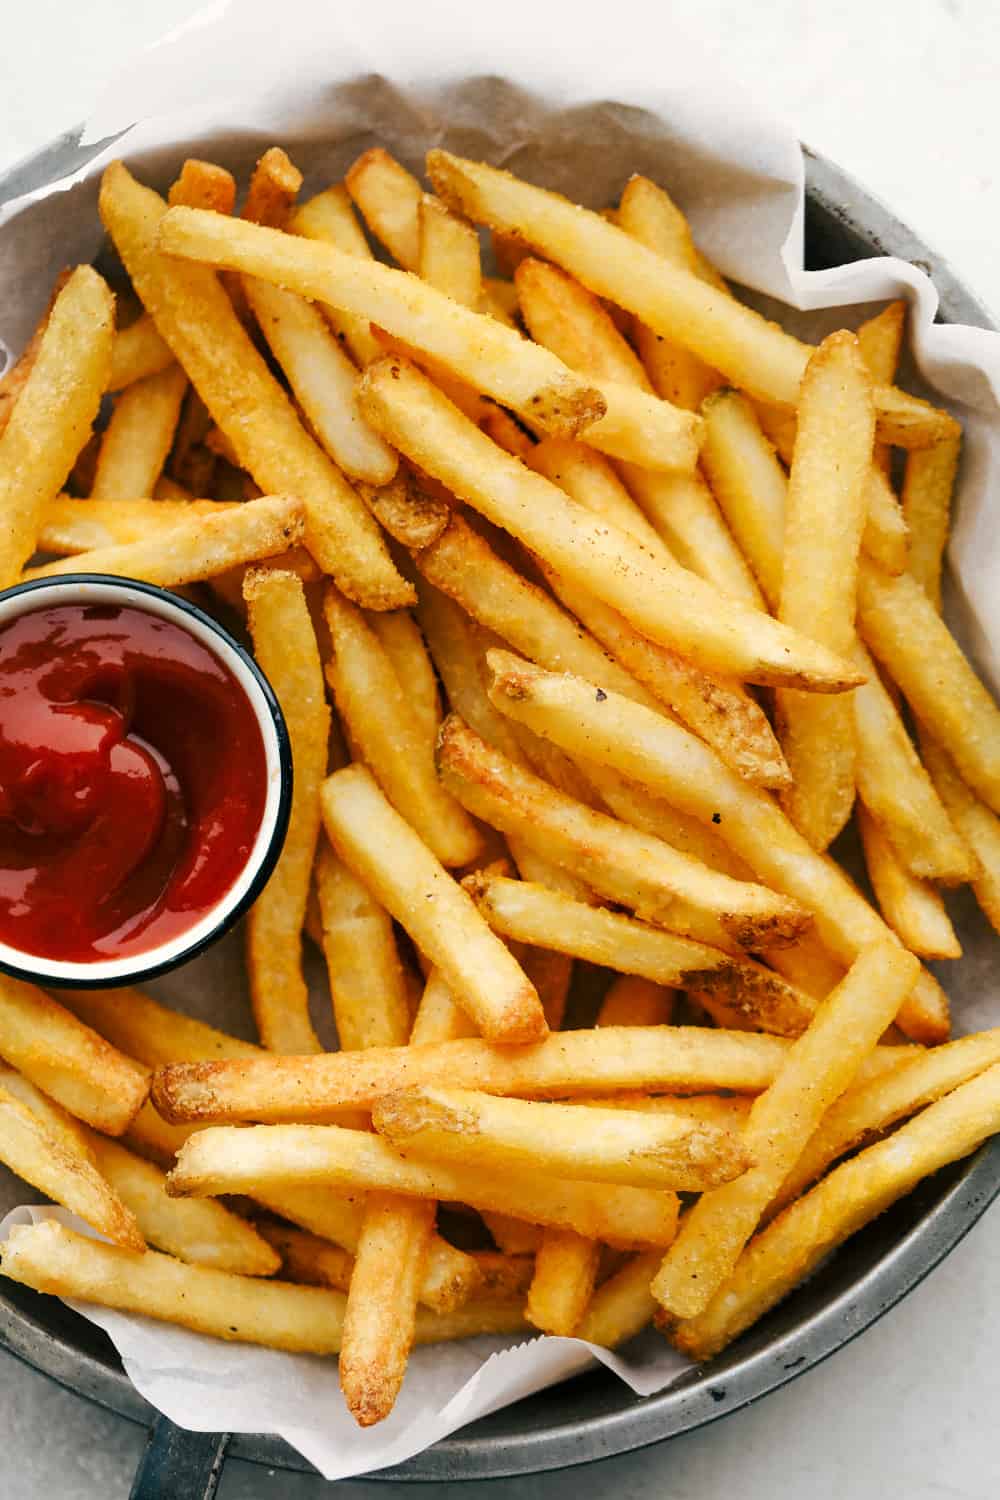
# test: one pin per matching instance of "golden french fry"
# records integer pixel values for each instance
(366, 976)
(824, 520)
(195, 317)
(912, 907)
(58, 1122)
(905, 632)
(14, 379)
(70, 526)
(215, 1237)
(304, 1257)
(623, 1306)
(195, 548)
(401, 640)
(850, 1197)
(641, 1149)
(203, 184)
(330, 218)
(566, 1267)
(400, 870)
(927, 491)
(285, 645)
(673, 764)
(409, 513)
(590, 478)
(439, 1018)
(656, 881)
(729, 1112)
(53, 414)
(671, 606)
(48, 1161)
(749, 484)
(449, 253)
(503, 1275)
(561, 314)
(137, 352)
(67, 1060)
(388, 197)
(632, 1000)
(136, 442)
(977, 824)
(500, 298)
(817, 1070)
(274, 186)
(144, 1028)
(754, 354)
(373, 704)
(228, 1159)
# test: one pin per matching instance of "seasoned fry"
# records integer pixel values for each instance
(206, 1234)
(905, 632)
(847, 1199)
(229, 1159)
(285, 644)
(403, 874)
(927, 490)
(671, 606)
(410, 514)
(655, 880)
(824, 520)
(196, 548)
(389, 198)
(68, 1061)
(48, 1162)
(52, 417)
(138, 437)
(194, 315)
(754, 354)
(632, 1000)
(566, 1267)
(366, 976)
(373, 704)
(817, 1069)
(912, 907)
(641, 1149)
(678, 767)
(449, 253)
(590, 478)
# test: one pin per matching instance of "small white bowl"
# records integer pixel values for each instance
(92, 588)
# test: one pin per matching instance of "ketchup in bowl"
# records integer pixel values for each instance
(133, 781)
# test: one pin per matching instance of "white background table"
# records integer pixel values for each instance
(902, 93)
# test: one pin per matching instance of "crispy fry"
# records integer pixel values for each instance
(565, 1272)
(388, 197)
(373, 704)
(203, 184)
(138, 437)
(977, 824)
(634, 1001)
(14, 379)
(590, 478)
(641, 1149)
(137, 352)
(905, 632)
(677, 766)
(70, 526)
(196, 548)
(274, 186)
(912, 907)
(449, 253)
(401, 640)
(143, 1028)
(403, 874)
(409, 513)
(195, 317)
(749, 484)
(439, 1018)
(655, 880)
(847, 1199)
(927, 491)
(366, 976)
(817, 1069)
(285, 644)
(623, 1306)
(754, 354)
(561, 314)
(671, 606)
(68, 1061)
(52, 417)
(824, 520)
(330, 218)
(57, 1121)
(305, 1258)
(229, 1159)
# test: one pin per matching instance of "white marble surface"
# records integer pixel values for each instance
(903, 93)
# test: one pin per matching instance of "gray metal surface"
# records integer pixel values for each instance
(594, 1415)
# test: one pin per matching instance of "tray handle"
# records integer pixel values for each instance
(179, 1465)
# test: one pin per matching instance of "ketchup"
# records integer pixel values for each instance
(132, 781)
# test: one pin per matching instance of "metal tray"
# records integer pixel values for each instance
(594, 1415)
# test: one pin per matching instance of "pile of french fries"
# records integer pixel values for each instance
(595, 616)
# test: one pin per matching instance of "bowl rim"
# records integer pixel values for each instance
(20, 599)
(470, 1454)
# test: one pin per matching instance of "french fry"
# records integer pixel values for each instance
(639, 1149)
(634, 1001)
(655, 880)
(501, 299)
(671, 606)
(865, 1111)
(14, 379)
(228, 1159)
(561, 314)
(912, 907)
(410, 514)
(48, 1162)
(373, 704)
(678, 767)
(529, 913)
(137, 352)
(927, 490)
(503, 1275)
(366, 976)
(67, 1060)
(53, 414)
(144, 1028)
(817, 1070)
(203, 184)
(729, 1112)
(754, 354)
(203, 1233)
(388, 197)
(977, 824)
(329, 218)
(285, 645)
(449, 253)
(401, 640)
(399, 869)
(566, 1265)
(513, 1236)
(749, 484)
(304, 1257)
(589, 477)
(824, 520)
(196, 548)
(57, 1122)
(138, 437)
(196, 319)
(274, 186)
(850, 1197)
(623, 1306)
(439, 1018)
(903, 629)
(70, 526)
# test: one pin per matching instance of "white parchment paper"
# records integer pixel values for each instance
(558, 94)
